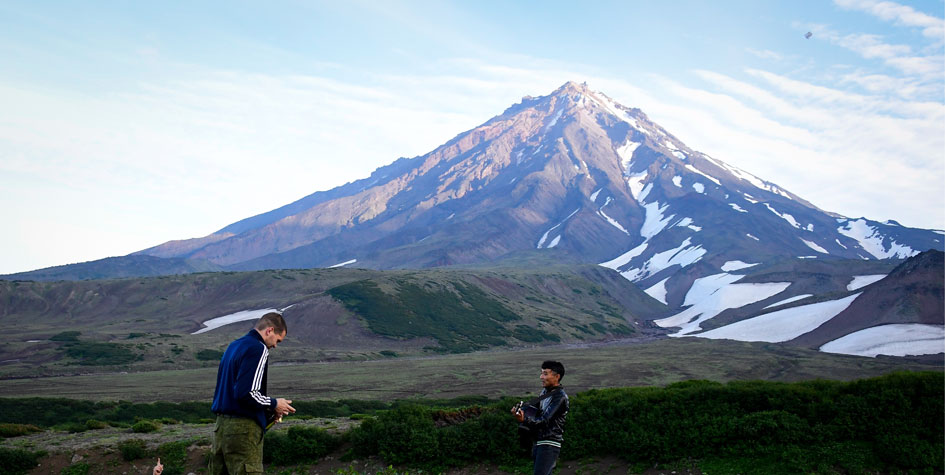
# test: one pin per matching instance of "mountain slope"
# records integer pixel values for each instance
(913, 293)
(572, 170)
(118, 267)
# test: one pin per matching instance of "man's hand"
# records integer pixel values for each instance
(158, 469)
(283, 407)
(519, 415)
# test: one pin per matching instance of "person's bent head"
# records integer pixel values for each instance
(551, 373)
(272, 328)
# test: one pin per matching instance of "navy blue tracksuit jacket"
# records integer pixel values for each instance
(241, 380)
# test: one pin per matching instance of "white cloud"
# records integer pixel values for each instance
(897, 56)
(932, 27)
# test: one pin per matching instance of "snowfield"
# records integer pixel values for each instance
(624, 258)
(871, 240)
(242, 316)
(782, 325)
(736, 265)
(711, 295)
(342, 264)
(789, 300)
(894, 340)
(658, 291)
(683, 256)
(860, 281)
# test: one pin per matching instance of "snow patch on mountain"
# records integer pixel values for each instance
(654, 221)
(240, 316)
(699, 187)
(782, 325)
(687, 223)
(342, 264)
(753, 237)
(621, 114)
(860, 281)
(684, 255)
(612, 221)
(677, 180)
(696, 170)
(736, 265)
(871, 240)
(902, 339)
(594, 195)
(544, 237)
(554, 120)
(637, 189)
(785, 216)
(658, 291)
(624, 258)
(815, 247)
(711, 295)
(737, 208)
(789, 300)
(625, 152)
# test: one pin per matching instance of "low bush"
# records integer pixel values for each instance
(132, 449)
(100, 354)
(209, 355)
(70, 335)
(145, 426)
(298, 445)
(93, 424)
(16, 461)
(174, 455)
(15, 430)
(889, 424)
(81, 468)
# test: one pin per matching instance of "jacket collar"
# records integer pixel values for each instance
(255, 334)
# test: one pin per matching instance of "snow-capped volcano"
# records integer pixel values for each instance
(572, 170)
(576, 172)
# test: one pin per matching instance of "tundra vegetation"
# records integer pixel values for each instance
(888, 424)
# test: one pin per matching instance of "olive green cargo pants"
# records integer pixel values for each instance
(237, 447)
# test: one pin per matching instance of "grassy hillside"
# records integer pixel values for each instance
(333, 314)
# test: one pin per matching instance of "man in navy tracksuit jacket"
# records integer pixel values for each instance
(240, 401)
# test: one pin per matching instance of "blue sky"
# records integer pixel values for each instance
(127, 124)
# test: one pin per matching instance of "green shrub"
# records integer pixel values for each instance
(72, 427)
(100, 354)
(93, 424)
(209, 355)
(145, 426)
(16, 461)
(81, 468)
(173, 455)
(132, 449)
(459, 317)
(15, 430)
(298, 445)
(66, 336)
(888, 424)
